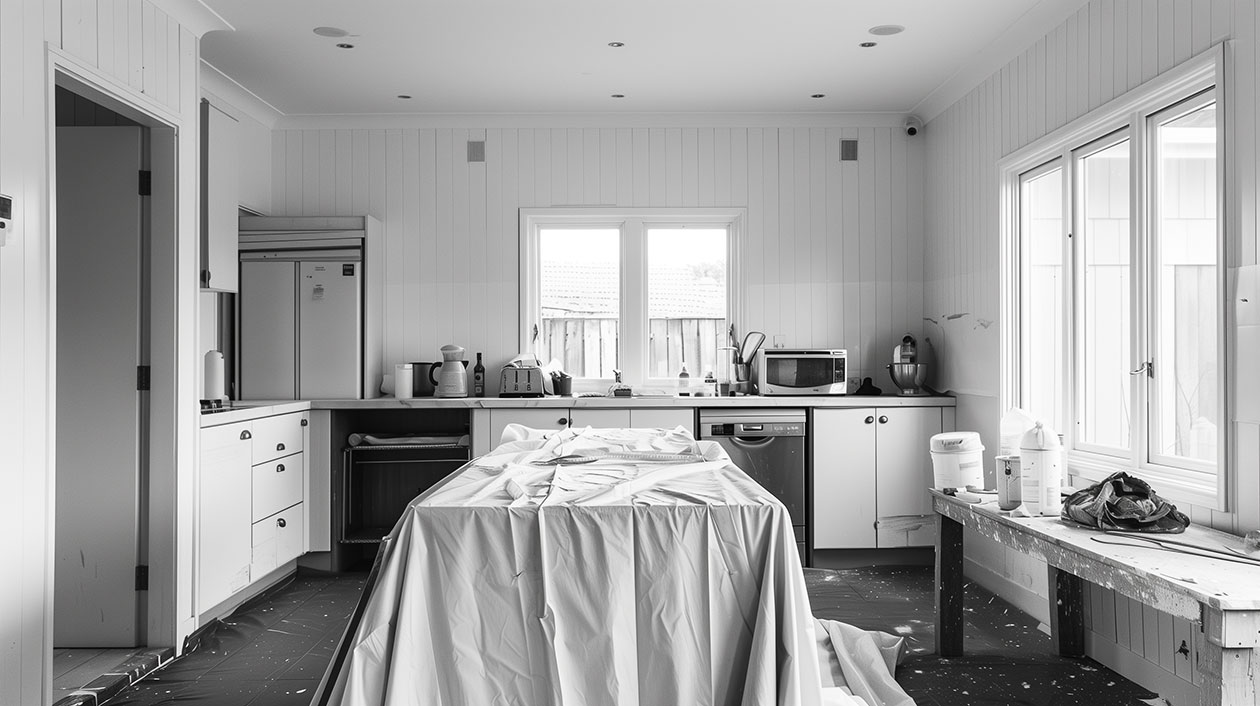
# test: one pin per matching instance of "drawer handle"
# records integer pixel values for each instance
(280, 522)
(883, 419)
(246, 435)
(279, 468)
(279, 447)
(562, 421)
(304, 422)
(870, 420)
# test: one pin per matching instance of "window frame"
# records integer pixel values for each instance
(633, 224)
(1131, 112)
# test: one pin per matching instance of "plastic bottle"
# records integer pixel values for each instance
(684, 382)
(1041, 471)
(710, 384)
(479, 378)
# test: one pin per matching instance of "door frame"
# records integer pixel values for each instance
(174, 418)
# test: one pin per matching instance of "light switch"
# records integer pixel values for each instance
(6, 218)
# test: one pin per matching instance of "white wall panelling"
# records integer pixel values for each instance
(142, 57)
(1104, 49)
(834, 249)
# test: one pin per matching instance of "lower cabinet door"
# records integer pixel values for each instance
(904, 474)
(223, 517)
(664, 418)
(844, 478)
(599, 418)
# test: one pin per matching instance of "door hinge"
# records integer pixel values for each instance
(142, 578)
(142, 377)
(146, 182)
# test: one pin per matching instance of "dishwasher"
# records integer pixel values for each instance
(768, 445)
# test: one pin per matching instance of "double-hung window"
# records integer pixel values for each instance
(1113, 290)
(640, 291)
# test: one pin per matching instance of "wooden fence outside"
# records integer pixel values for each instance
(588, 347)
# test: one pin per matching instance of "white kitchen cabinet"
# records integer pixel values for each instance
(596, 417)
(252, 476)
(223, 516)
(663, 418)
(220, 186)
(872, 469)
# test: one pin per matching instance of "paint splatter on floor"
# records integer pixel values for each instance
(1008, 658)
(274, 649)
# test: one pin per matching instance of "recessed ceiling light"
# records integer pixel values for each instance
(864, 45)
(618, 95)
(616, 45)
(343, 45)
(404, 96)
(819, 95)
(885, 30)
(330, 32)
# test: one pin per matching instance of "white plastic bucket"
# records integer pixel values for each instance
(957, 460)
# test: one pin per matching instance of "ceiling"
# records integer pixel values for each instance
(553, 56)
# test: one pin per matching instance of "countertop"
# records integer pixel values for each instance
(245, 411)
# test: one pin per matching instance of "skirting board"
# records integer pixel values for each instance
(1022, 598)
(1139, 670)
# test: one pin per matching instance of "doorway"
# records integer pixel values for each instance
(106, 158)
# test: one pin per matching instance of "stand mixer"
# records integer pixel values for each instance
(906, 371)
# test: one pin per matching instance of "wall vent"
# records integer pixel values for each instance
(476, 151)
(848, 150)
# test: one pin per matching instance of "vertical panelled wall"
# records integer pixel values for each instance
(1107, 48)
(146, 54)
(832, 256)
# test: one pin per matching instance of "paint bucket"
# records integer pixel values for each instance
(957, 460)
(1008, 482)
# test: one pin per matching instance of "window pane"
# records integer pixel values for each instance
(1103, 414)
(580, 298)
(1042, 317)
(686, 300)
(1184, 390)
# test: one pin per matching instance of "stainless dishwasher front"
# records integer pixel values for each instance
(768, 445)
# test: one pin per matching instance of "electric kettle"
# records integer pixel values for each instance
(452, 380)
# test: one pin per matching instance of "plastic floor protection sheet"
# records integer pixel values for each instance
(603, 566)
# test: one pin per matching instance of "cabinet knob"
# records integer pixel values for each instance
(246, 435)
(562, 421)
(281, 523)
(883, 419)
(279, 468)
(279, 447)
(305, 422)
(870, 420)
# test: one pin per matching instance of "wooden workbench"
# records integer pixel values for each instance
(1221, 598)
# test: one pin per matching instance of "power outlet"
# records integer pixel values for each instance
(6, 218)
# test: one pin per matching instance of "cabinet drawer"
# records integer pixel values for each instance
(277, 484)
(276, 540)
(277, 436)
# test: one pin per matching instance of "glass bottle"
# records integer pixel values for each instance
(479, 378)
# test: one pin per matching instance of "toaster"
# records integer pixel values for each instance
(521, 381)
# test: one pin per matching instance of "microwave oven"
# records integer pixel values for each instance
(803, 372)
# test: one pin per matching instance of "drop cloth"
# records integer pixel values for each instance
(658, 573)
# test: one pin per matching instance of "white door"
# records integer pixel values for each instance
(330, 351)
(844, 478)
(99, 251)
(904, 474)
(268, 320)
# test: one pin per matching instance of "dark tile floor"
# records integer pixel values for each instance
(273, 651)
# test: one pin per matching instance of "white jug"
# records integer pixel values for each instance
(1041, 471)
(452, 381)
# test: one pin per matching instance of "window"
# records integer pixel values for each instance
(1114, 243)
(637, 290)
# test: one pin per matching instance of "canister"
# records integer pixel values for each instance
(1041, 471)
(957, 460)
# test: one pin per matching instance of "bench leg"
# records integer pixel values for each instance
(1228, 676)
(949, 588)
(1067, 614)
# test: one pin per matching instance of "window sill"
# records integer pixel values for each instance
(1179, 487)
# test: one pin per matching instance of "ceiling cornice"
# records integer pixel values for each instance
(1022, 34)
(236, 96)
(592, 120)
(194, 15)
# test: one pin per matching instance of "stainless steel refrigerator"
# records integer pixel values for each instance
(300, 318)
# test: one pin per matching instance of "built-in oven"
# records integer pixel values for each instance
(813, 371)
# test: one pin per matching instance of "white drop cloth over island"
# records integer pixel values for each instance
(594, 566)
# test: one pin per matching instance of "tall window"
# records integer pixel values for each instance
(642, 291)
(1115, 242)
